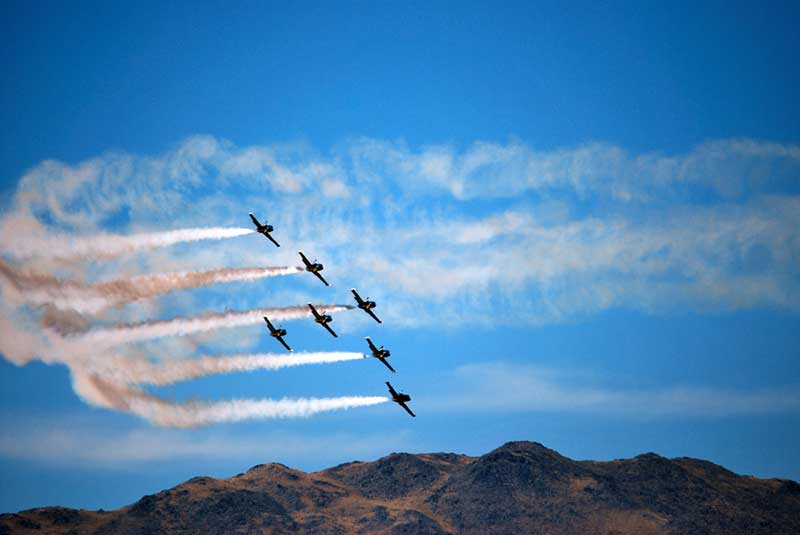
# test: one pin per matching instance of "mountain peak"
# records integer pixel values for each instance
(523, 444)
(528, 448)
(270, 468)
(650, 456)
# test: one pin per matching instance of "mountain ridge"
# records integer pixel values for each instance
(520, 487)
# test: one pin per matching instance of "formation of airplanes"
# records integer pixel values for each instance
(324, 319)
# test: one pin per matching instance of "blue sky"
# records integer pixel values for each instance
(579, 222)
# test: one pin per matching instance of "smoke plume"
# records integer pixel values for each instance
(105, 379)
(104, 246)
(142, 371)
(99, 391)
(148, 330)
(36, 288)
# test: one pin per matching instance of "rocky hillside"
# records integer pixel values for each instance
(521, 487)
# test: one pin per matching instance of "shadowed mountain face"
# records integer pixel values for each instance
(521, 487)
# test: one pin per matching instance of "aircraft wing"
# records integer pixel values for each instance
(269, 324)
(371, 345)
(253, 218)
(358, 297)
(391, 390)
(282, 341)
(313, 310)
(387, 364)
(371, 313)
(305, 260)
(270, 238)
(328, 328)
(407, 409)
(321, 278)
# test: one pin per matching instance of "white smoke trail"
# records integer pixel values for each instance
(103, 246)
(35, 288)
(106, 381)
(104, 393)
(197, 414)
(137, 332)
(109, 381)
(142, 371)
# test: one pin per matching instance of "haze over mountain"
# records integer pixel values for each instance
(521, 487)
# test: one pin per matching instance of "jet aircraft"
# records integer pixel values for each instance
(366, 305)
(400, 399)
(380, 354)
(322, 319)
(277, 334)
(313, 267)
(264, 229)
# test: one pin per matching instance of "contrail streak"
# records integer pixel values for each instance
(155, 410)
(197, 414)
(137, 332)
(109, 245)
(112, 382)
(142, 371)
(86, 298)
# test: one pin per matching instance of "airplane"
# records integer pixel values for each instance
(322, 319)
(277, 333)
(264, 229)
(366, 305)
(380, 354)
(400, 399)
(314, 268)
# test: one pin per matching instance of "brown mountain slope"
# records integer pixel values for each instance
(521, 487)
